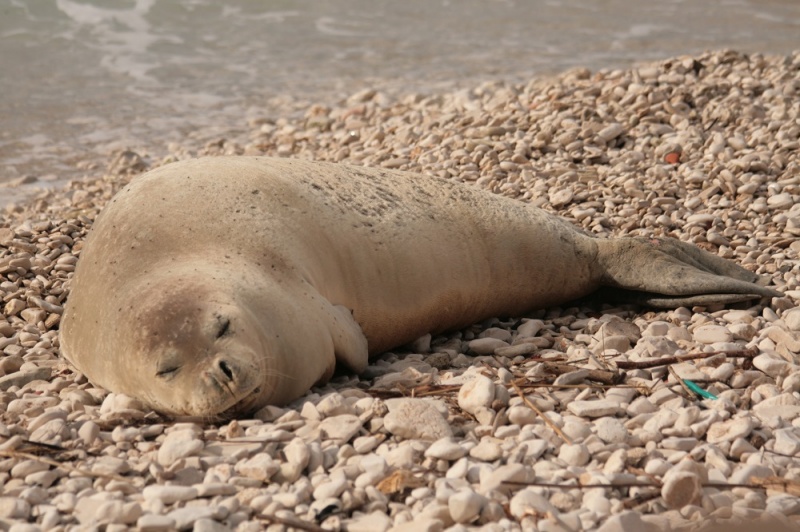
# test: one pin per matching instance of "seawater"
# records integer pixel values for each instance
(81, 77)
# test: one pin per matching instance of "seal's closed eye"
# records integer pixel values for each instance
(168, 366)
(224, 326)
(167, 371)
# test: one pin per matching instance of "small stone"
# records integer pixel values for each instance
(376, 521)
(416, 419)
(155, 523)
(574, 455)
(528, 500)
(780, 201)
(94, 510)
(792, 319)
(297, 453)
(516, 473)
(486, 346)
(341, 428)
(475, 394)
(259, 467)
(209, 525)
(497, 332)
(559, 198)
(610, 430)
(782, 504)
(723, 372)
(611, 131)
(446, 449)
(725, 431)
(623, 522)
(213, 489)
(21, 378)
(521, 415)
(679, 444)
(772, 365)
(592, 409)
(109, 465)
(680, 488)
(420, 524)
(573, 377)
(169, 494)
(465, 506)
(14, 508)
(616, 462)
(486, 451)
(785, 406)
(787, 441)
(185, 518)
(177, 445)
(711, 334)
(331, 489)
(746, 472)
(333, 404)
(530, 328)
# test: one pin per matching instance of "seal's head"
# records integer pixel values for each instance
(201, 340)
(201, 352)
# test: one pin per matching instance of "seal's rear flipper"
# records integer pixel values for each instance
(668, 273)
(349, 342)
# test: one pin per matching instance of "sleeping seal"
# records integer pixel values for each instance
(223, 284)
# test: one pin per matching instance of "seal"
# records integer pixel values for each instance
(215, 286)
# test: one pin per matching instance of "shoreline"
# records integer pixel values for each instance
(703, 148)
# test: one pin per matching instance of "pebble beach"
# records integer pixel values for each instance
(594, 416)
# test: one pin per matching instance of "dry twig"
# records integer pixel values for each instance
(292, 523)
(599, 375)
(677, 359)
(541, 414)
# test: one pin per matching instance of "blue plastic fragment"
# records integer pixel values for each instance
(698, 390)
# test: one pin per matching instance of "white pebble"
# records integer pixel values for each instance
(446, 449)
(711, 334)
(528, 500)
(169, 494)
(486, 346)
(341, 428)
(416, 419)
(680, 488)
(787, 441)
(574, 455)
(155, 523)
(486, 451)
(610, 430)
(178, 444)
(592, 409)
(476, 393)
(465, 506)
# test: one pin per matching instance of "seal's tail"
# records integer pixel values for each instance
(668, 273)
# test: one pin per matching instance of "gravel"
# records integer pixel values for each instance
(468, 429)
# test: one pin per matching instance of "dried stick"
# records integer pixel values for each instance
(541, 414)
(599, 375)
(688, 390)
(677, 359)
(293, 523)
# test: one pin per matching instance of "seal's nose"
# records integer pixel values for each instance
(226, 369)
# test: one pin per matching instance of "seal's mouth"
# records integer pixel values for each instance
(245, 405)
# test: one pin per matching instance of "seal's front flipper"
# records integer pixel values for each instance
(349, 342)
(668, 273)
